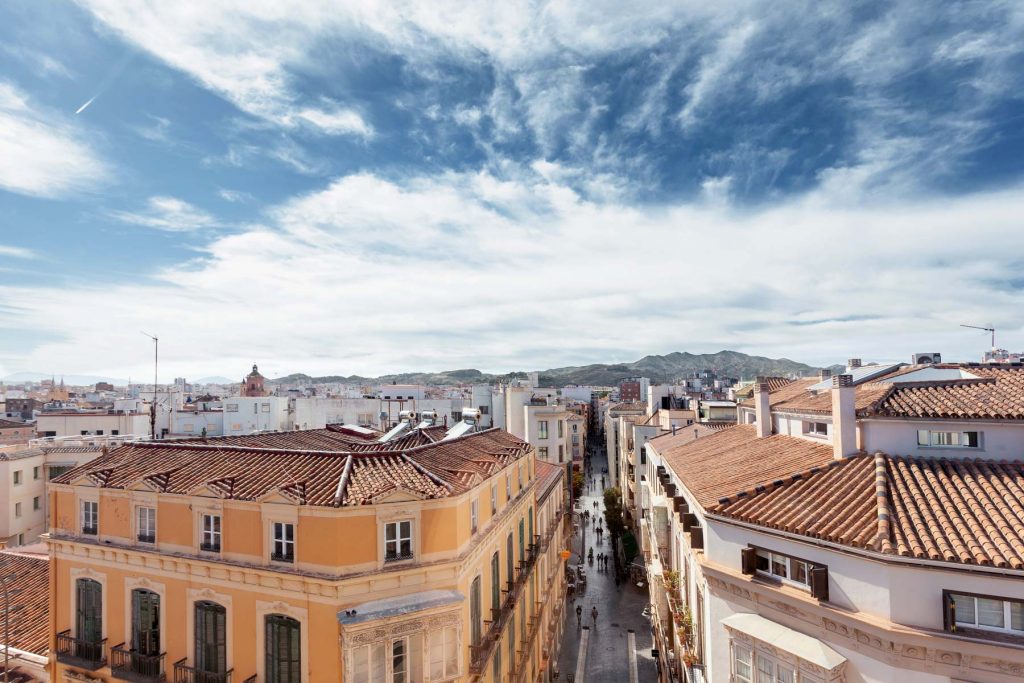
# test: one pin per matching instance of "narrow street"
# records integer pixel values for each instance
(616, 648)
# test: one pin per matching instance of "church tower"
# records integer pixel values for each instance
(252, 385)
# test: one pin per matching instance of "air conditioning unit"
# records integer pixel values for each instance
(926, 358)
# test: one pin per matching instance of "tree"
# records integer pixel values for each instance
(577, 485)
(613, 512)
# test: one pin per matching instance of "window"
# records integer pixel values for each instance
(494, 499)
(399, 660)
(90, 517)
(542, 453)
(939, 439)
(475, 625)
(508, 486)
(146, 520)
(89, 617)
(57, 470)
(211, 637)
(17, 509)
(510, 560)
(17, 477)
(37, 472)
(397, 541)
(522, 541)
(496, 669)
(443, 653)
(474, 514)
(783, 567)
(542, 429)
(35, 503)
(99, 432)
(985, 612)
(145, 626)
(561, 429)
(561, 453)
(284, 542)
(369, 665)
(495, 586)
(211, 534)
(816, 428)
(115, 432)
(231, 407)
(574, 428)
(742, 664)
(264, 407)
(283, 650)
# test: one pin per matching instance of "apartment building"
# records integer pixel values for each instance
(618, 434)
(862, 528)
(92, 423)
(12, 432)
(307, 556)
(24, 471)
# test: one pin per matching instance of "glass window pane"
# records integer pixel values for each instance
(799, 571)
(765, 669)
(965, 613)
(1017, 616)
(779, 566)
(990, 613)
(763, 561)
(784, 675)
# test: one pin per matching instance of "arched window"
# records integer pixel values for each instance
(211, 638)
(283, 650)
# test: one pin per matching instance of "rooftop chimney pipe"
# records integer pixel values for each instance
(762, 411)
(844, 417)
(853, 363)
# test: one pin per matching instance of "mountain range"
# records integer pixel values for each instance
(658, 368)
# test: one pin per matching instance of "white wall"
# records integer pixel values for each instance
(246, 414)
(899, 437)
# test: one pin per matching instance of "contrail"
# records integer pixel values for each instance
(114, 72)
(82, 108)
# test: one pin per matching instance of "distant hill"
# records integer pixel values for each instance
(215, 380)
(70, 380)
(657, 368)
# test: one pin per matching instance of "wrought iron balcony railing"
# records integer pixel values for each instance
(129, 665)
(81, 653)
(183, 673)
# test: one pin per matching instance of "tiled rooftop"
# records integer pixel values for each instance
(998, 395)
(11, 424)
(306, 475)
(734, 460)
(331, 438)
(548, 475)
(963, 511)
(29, 596)
(629, 406)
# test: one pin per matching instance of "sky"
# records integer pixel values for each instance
(370, 187)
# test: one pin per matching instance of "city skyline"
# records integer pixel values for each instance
(372, 189)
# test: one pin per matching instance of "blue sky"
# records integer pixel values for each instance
(372, 187)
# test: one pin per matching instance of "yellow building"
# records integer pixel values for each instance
(320, 555)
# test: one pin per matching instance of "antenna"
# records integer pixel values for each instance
(156, 364)
(987, 329)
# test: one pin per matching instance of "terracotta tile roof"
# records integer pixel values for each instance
(11, 424)
(668, 442)
(734, 460)
(327, 439)
(997, 395)
(307, 476)
(30, 601)
(20, 453)
(629, 406)
(963, 511)
(794, 397)
(548, 475)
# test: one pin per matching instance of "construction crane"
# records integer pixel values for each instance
(987, 329)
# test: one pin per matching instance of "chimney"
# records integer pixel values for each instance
(824, 374)
(844, 417)
(673, 430)
(762, 410)
(853, 363)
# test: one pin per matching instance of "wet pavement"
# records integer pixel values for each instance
(620, 609)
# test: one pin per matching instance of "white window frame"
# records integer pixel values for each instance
(474, 515)
(542, 429)
(207, 532)
(406, 659)
(736, 662)
(931, 438)
(145, 525)
(790, 563)
(17, 509)
(279, 539)
(89, 511)
(399, 538)
(494, 499)
(961, 598)
(811, 428)
(449, 648)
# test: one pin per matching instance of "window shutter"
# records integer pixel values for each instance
(696, 538)
(748, 558)
(948, 612)
(819, 583)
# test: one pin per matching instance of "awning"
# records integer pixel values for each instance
(395, 607)
(784, 638)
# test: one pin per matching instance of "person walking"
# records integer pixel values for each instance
(579, 615)
(593, 615)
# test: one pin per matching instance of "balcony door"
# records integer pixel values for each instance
(283, 650)
(89, 611)
(211, 638)
(145, 622)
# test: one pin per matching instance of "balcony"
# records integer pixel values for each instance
(79, 653)
(147, 538)
(210, 547)
(128, 665)
(89, 530)
(183, 673)
(282, 557)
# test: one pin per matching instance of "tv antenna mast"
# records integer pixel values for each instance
(987, 329)
(156, 364)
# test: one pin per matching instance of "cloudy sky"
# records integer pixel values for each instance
(366, 186)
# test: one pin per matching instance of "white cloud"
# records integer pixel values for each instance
(41, 153)
(169, 214)
(16, 252)
(234, 196)
(369, 275)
